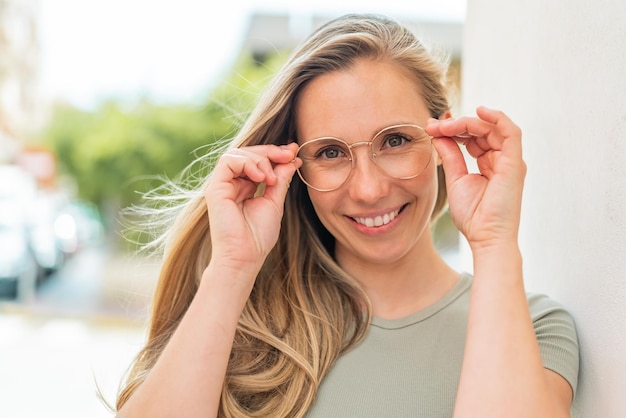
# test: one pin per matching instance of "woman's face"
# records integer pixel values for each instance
(354, 104)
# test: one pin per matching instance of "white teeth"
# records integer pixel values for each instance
(379, 220)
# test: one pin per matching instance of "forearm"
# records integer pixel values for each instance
(502, 373)
(187, 379)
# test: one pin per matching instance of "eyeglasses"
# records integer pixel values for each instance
(401, 151)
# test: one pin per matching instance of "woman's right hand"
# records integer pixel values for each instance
(189, 373)
(245, 226)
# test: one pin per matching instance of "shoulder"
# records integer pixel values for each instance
(551, 319)
(542, 306)
(556, 335)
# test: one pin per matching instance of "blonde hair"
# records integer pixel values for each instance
(304, 311)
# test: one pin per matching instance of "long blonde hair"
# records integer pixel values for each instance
(304, 311)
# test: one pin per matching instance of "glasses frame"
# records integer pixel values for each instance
(372, 154)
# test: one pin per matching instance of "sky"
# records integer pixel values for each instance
(170, 50)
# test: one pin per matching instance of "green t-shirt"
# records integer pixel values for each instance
(410, 367)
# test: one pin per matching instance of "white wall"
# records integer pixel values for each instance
(558, 67)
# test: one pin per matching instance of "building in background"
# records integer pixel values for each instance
(268, 34)
(19, 74)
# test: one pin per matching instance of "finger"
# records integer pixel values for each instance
(278, 191)
(492, 129)
(452, 159)
(461, 129)
(475, 149)
(509, 131)
(500, 119)
(235, 164)
(255, 163)
(263, 162)
(283, 153)
(486, 164)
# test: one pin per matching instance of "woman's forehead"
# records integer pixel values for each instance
(358, 101)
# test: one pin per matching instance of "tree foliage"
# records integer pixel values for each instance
(116, 152)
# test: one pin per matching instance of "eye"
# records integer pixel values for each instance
(395, 140)
(329, 152)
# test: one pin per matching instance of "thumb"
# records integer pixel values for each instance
(452, 158)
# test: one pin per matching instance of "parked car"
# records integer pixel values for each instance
(39, 231)
(45, 244)
(29, 248)
(18, 267)
(78, 225)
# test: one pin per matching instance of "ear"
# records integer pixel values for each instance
(446, 115)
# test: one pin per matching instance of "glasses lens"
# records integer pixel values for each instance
(402, 151)
(326, 163)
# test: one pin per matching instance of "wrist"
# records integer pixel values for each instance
(230, 282)
(497, 255)
(490, 246)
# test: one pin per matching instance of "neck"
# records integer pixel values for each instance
(405, 286)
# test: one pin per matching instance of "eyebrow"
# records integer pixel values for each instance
(371, 136)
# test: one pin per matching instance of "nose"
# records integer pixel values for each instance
(367, 182)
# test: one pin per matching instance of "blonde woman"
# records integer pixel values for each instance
(303, 279)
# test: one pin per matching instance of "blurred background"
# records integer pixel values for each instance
(99, 101)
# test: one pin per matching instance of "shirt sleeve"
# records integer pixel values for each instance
(557, 337)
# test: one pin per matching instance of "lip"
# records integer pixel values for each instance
(378, 221)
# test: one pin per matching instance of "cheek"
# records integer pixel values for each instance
(322, 205)
(426, 188)
(428, 179)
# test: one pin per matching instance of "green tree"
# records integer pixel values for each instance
(116, 153)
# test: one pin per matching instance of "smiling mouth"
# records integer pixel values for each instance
(378, 220)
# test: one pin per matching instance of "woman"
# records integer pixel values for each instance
(321, 293)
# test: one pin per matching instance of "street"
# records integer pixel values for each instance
(76, 338)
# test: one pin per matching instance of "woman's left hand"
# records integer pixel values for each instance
(484, 206)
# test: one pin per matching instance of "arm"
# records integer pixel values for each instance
(187, 379)
(502, 373)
